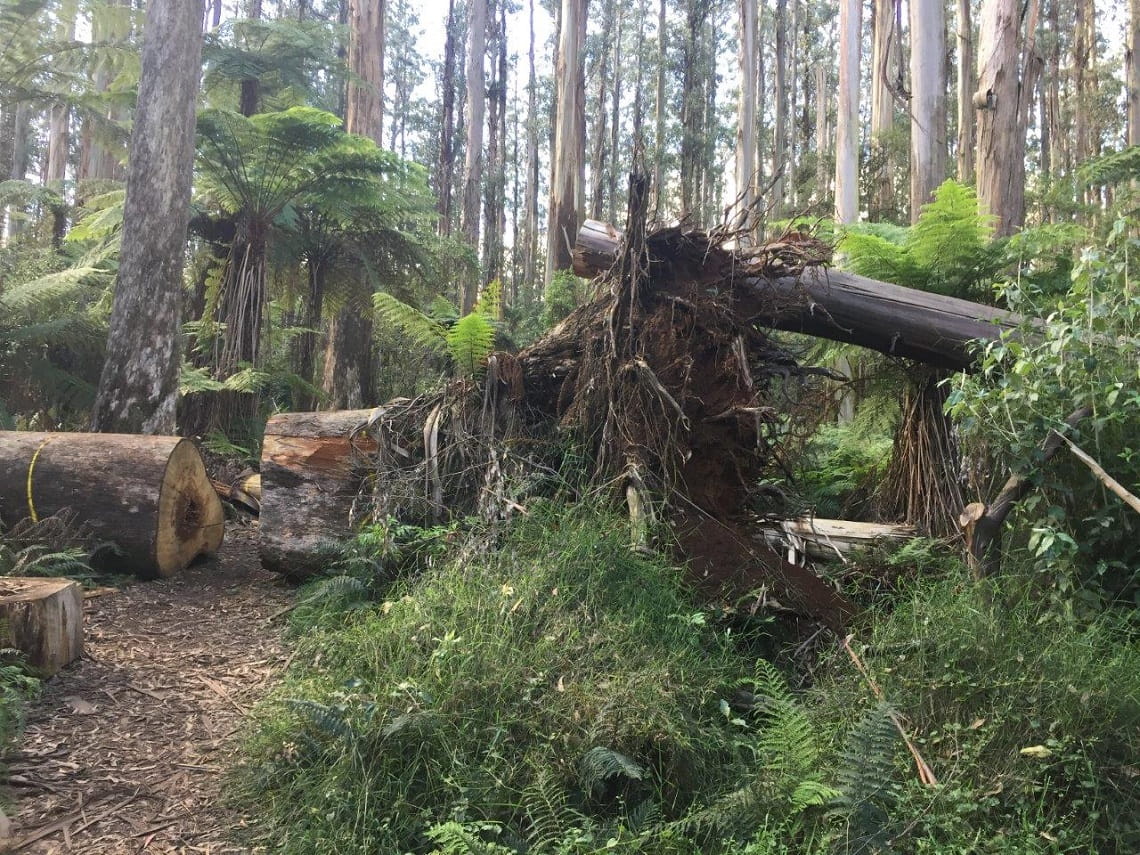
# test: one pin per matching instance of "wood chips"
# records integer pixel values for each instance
(124, 751)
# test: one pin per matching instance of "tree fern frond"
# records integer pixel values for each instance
(197, 379)
(490, 302)
(867, 783)
(418, 327)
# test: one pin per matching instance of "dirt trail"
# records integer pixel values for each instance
(124, 751)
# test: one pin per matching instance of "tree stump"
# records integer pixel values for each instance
(43, 619)
(149, 495)
(309, 481)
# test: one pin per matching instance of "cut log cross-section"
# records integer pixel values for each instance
(43, 619)
(309, 480)
(905, 322)
(149, 495)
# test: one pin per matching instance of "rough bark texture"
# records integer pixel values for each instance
(43, 619)
(138, 388)
(659, 115)
(446, 170)
(847, 123)
(364, 110)
(150, 495)
(348, 377)
(1002, 104)
(831, 304)
(309, 482)
(928, 101)
(569, 139)
(473, 166)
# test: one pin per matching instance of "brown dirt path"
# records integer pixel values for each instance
(124, 751)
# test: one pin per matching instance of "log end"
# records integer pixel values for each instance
(43, 619)
(191, 519)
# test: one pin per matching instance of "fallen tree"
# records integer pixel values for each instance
(149, 495)
(818, 301)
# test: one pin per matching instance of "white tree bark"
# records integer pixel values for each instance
(569, 140)
(885, 61)
(473, 164)
(1133, 57)
(928, 101)
(847, 121)
(746, 110)
(138, 388)
(966, 141)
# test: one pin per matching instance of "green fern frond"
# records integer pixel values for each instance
(471, 341)
(547, 807)
(422, 331)
(326, 720)
(247, 379)
(50, 290)
(599, 765)
(867, 782)
(337, 590)
(1114, 167)
(197, 379)
(787, 739)
(455, 838)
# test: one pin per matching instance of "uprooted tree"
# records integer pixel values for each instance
(667, 384)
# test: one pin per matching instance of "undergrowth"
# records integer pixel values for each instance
(542, 689)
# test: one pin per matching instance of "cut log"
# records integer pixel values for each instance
(309, 482)
(43, 619)
(149, 495)
(831, 304)
(826, 540)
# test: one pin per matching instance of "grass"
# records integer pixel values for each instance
(544, 690)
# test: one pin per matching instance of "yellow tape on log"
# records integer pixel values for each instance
(31, 469)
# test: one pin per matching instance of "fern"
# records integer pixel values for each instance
(423, 331)
(455, 838)
(866, 783)
(787, 739)
(470, 342)
(599, 765)
(1112, 168)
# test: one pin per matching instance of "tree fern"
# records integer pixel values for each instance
(422, 331)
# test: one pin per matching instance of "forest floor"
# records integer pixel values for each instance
(124, 751)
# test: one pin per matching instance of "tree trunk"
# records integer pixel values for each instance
(348, 377)
(1133, 77)
(659, 115)
(615, 118)
(966, 142)
(530, 203)
(847, 121)
(309, 482)
(569, 140)
(473, 167)
(349, 380)
(364, 107)
(780, 140)
(445, 172)
(746, 107)
(885, 61)
(149, 495)
(43, 619)
(138, 388)
(903, 322)
(928, 102)
(1001, 101)
(601, 116)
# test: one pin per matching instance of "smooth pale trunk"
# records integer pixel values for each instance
(966, 143)
(473, 164)
(927, 103)
(1134, 75)
(847, 123)
(569, 140)
(884, 62)
(746, 109)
